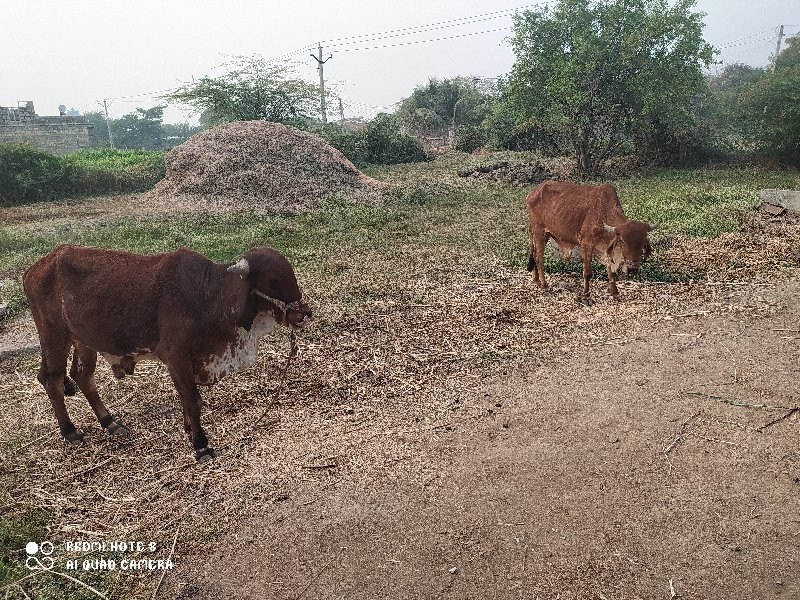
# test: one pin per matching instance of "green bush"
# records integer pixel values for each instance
(469, 138)
(380, 142)
(693, 144)
(30, 175)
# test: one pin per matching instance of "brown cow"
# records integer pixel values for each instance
(588, 216)
(203, 320)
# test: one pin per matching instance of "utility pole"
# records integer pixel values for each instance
(320, 64)
(777, 46)
(108, 125)
(341, 115)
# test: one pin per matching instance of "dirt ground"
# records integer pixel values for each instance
(459, 437)
(633, 468)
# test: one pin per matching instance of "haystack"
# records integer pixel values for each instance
(263, 166)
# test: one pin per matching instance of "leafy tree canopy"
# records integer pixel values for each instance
(771, 107)
(140, 129)
(446, 103)
(600, 73)
(252, 89)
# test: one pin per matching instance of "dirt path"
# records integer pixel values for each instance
(603, 474)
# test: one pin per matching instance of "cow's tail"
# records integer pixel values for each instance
(531, 260)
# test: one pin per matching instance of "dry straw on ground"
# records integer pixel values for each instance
(258, 165)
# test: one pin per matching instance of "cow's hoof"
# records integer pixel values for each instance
(586, 301)
(70, 387)
(75, 439)
(117, 427)
(204, 454)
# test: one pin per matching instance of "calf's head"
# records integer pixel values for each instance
(271, 288)
(629, 245)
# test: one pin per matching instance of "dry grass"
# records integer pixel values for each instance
(404, 337)
(258, 165)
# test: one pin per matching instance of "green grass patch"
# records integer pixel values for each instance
(29, 175)
(428, 229)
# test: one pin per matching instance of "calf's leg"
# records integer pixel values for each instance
(538, 240)
(612, 284)
(84, 362)
(53, 374)
(183, 378)
(585, 296)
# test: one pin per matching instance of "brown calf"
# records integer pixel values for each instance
(201, 319)
(590, 217)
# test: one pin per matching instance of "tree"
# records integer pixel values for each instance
(98, 133)
(446, 104)
(177, 133)
(596, 74)
(770, 106)
(140, 129)
(252, 89)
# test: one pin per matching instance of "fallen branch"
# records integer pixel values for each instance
(735, 403)
(779, 419)
(164, 572)
(319, 573)
(680, 433)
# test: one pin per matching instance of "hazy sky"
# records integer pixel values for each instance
(77, 52)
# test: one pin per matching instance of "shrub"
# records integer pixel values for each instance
(30, 175)
(469, 138)
(380, 142)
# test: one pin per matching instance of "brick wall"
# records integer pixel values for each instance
(58, 135)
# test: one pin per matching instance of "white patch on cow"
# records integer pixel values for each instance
(138, 356)
(241, 353)
(241, 266)
(614, 261)
(564, 254)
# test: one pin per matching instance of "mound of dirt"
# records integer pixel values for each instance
(261, 165)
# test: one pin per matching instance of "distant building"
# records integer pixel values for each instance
(59, 135)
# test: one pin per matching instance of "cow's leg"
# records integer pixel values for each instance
(539, 240)
(53, 374)
(612, 284)
(532, 263)
(84, 362)
(585, 296)
(183, 378)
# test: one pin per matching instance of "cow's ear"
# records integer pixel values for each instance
(247, 311)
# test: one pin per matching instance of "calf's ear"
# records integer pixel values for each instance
(247, 312)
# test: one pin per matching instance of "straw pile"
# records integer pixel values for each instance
(258, 165)
(763, 245)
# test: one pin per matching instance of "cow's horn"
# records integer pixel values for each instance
(609, 228)
(240, 267)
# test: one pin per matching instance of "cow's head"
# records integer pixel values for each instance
(628, 246)
(271, 288)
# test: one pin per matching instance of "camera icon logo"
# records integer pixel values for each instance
(34, 550)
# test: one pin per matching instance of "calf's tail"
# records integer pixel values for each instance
(531, 261)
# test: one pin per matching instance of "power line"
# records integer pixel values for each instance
(746, 37)
(437, 25)
(411, 43)
(411, 30)
(746, 43)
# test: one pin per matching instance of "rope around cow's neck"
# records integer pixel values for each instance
(280, 304)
